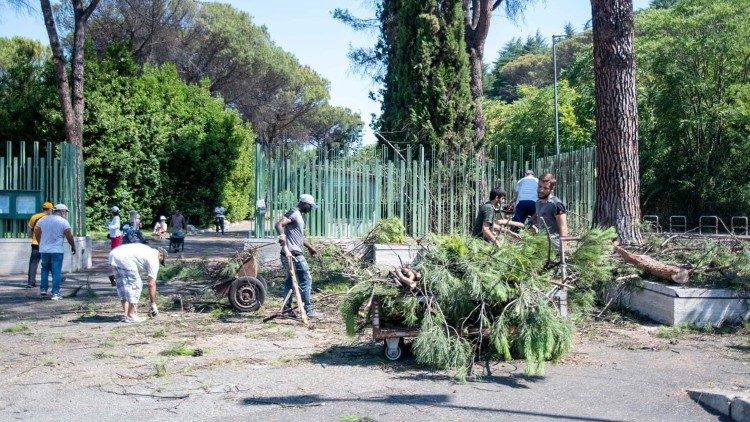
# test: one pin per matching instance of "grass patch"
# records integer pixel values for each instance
(18, 328)
(51, 363)
(159, 333)
(89, 309)
(181, 349)
(108, 344)
(290, 333)
(355, 418)
(687, 329)
(223, 312)
(160, 369)
(98, 234)
(103, 355)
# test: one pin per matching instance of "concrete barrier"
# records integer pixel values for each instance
(674, 305)
(15, 253)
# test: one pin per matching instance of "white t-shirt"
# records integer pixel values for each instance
(53, 234)
(114, 227)
(526, 189)
(136, 257)
(160, 226)
(219, 211)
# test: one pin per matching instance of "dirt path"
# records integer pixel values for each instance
(73, 360)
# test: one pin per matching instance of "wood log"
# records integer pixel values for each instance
(652, 266)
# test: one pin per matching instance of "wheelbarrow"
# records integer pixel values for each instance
(177, 241)
(246, 290)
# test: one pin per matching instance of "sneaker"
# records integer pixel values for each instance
(135, 319)
(30, 286)
(56, 297)
(43, 294)
(314, 315)
(154, 311)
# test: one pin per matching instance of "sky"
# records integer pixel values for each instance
(307, 29)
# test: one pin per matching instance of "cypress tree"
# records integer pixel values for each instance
(426, 97)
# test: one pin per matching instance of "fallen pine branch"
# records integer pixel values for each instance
(652, 266)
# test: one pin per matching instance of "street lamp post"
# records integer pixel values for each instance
(554, 70)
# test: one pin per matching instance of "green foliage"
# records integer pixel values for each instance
(180, 349)
(518, 123)
(18, 328)
(469, 286)
(388, 230)
(693, 102)
(426, 99)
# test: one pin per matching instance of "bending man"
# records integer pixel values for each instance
(126, 262)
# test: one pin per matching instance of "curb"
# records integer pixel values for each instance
(728, 403)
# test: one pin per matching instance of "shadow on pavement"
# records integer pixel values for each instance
(432, 400)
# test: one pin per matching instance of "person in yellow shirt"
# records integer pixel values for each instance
(35, 255)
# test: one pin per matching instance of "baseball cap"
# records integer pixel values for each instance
(61, 207)
(115, 209)
(162, 218)
(47, 206)
(163, 252)
(308, 199)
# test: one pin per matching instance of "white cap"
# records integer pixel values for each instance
(162, 218)
(308, 199)
(61, 207)
(114, 209)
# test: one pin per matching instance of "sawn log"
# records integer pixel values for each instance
(650, 265)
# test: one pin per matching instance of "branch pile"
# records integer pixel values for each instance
(471, 300)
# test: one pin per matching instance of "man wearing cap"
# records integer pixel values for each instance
(115, 234)
(51, 231)
(126, 262)
(291, 228)
(35, 256)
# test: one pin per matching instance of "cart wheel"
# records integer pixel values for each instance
(392, 348)
(247, 294)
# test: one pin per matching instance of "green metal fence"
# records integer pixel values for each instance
(435, 194)
(46, 168)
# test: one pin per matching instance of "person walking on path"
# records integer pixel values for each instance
(291, 230)
(178, 222)
(486, 216)
(115, 234)
(219, 213)
(35, 255)
(526, 197)
(51, 230)
(126, 263)
(550, 211)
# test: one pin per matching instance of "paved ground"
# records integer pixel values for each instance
(72, 360)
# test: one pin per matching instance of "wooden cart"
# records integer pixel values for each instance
(392, 337)
(246, 290)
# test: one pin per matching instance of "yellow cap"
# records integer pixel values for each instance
(47, 206)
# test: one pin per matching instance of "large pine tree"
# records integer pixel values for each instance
(426, 98)
(617, 184)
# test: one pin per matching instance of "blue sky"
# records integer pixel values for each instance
(306, 29)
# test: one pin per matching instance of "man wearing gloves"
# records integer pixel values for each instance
(127, 262)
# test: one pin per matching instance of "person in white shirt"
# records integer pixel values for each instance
(219, 213)
(51, 231)
(526, 197)
(126, 263)
(160, 228)
(115, 234)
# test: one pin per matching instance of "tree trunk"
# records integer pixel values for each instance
(618, 185)
(72, 106)
(654, 267)
(477, 15)
(61, 74)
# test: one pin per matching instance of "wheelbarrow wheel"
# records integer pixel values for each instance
(247, 294)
